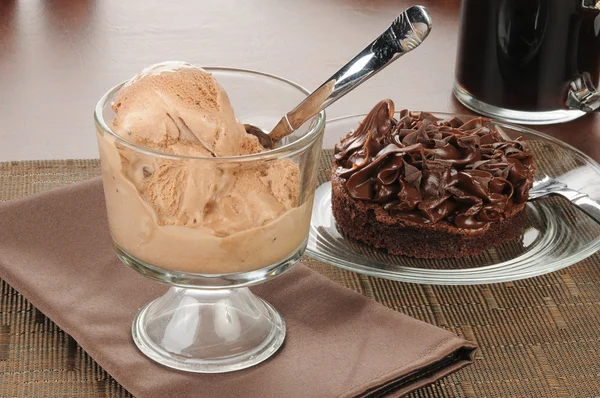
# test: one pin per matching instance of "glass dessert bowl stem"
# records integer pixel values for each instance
(208, 227)
(208, 323)
(208, 331)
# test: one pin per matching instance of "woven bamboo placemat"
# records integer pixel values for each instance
(538, 337)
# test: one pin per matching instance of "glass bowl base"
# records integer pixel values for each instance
(208, 331)
(511, 115)
(209, 281)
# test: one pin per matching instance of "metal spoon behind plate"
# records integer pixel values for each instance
(405, 34)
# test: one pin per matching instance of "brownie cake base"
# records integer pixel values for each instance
(371, 224)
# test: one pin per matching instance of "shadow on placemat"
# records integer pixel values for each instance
(538, 337)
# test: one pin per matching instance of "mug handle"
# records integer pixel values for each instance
(582, 94)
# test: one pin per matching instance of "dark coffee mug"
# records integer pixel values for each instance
(529, 61)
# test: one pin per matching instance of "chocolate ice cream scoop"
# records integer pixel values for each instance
(179, 108)
(175, 191)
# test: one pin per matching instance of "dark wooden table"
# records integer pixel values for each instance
(58, 56)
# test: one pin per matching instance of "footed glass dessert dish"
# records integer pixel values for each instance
(209, 226)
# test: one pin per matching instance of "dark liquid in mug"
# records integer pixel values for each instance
(522, 54)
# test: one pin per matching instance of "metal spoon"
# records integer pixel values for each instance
(405, 34)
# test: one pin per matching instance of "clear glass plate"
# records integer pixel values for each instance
(556, 233)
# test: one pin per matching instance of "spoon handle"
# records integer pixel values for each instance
(405, 34)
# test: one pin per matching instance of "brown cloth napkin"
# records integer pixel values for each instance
(56, 250)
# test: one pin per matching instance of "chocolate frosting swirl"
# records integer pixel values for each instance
(427, 170)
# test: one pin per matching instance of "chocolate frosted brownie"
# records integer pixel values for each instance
(424, 187)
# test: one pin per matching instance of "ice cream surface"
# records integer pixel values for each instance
(180, 109)
(193, 212)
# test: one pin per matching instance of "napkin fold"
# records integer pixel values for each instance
(56, 250)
